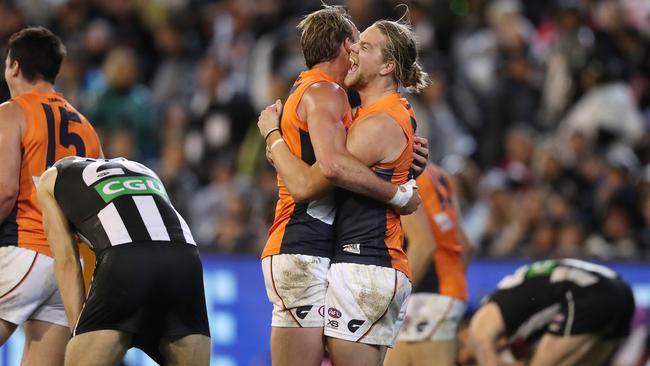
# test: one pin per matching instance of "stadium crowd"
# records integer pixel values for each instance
(539, 109)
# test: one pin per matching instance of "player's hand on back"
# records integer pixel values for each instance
(420, 155)
(269, 118)
(412, 204)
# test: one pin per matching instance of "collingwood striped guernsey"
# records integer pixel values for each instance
(117, 201)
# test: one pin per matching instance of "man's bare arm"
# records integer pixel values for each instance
(11, 119)
(328, 138)
(422, 243)
(67, 267)
(485, 329)
(304, 182)
(324, 105)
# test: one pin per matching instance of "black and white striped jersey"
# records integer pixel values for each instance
(117, 201)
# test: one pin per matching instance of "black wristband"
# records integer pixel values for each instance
(270, 132)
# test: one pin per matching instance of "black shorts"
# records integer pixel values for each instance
(605, 309)
(152, 290)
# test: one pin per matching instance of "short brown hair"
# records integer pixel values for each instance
(322, 32)
(401, 48)
(39, 53)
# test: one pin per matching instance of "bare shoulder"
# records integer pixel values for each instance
(11, 116)
(326, 93)
(379, 122)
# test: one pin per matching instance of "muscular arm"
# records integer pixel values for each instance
(340, 165)
(334, 163)
(67, 267)
(485, 329)
(466, 247)
(422, 243)
(12, 118)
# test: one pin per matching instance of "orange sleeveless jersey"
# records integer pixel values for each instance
(294, 231)
(447, 268)
(368, 231)
(54, 130)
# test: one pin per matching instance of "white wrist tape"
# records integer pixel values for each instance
(403, 194)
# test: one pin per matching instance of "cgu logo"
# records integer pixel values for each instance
(110, 189)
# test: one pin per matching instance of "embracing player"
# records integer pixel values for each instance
(37, 127)
(301, 239)
(369, 275)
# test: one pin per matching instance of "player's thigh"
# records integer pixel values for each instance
(555, 350)
(399, 355)
(6, 330)
(297, 346)
(344, 352)
(44, 343)
(296, 285)
(97, 348)
(189, 350)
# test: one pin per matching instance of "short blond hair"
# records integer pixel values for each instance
(401, 48)
(322, 32)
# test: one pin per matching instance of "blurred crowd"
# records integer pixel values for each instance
(540, 109)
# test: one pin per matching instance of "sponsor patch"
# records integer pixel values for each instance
(352, 248)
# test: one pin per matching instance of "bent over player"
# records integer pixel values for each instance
(37, 127)
(147, 288)
(581, 311)
(439, 253)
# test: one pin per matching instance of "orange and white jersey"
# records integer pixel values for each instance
(302, 228)
(53, 130)
(368, 231)
(446, 275)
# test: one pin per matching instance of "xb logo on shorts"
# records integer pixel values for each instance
(355, 324)
(112, 188)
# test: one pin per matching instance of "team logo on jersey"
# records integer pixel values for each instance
(334, 313)
(355, 324)
(302, 311)
(352, 248)
(112, 188)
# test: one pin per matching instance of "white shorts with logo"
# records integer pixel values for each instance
(365, 303)
(296, 286)
(431, 317)
(28, 288)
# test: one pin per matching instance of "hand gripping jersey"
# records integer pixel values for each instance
(563, 297)
(54, 129)
(446, 275)
(369, 231)
(302, 228)
(117, 201)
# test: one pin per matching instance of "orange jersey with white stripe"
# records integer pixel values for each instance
(53, 130)
(302, 228)
(446, 275)
(369, 231)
